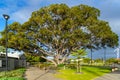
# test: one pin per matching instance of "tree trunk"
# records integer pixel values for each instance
(63, 60)
(56, 61)
(50, 61)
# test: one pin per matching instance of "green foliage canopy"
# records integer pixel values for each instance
(79, 53)
(62, 29)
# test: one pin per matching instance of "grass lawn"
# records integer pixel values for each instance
(88, 73)
(13, 75)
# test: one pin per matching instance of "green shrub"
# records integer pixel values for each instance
(86, 60)
(71, 66)
(111, 61)
(52, 67)
(12, 78)
(61, 65)
(98, 60)
(43, 65)
(13, 75)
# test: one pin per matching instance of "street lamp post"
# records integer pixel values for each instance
(104, 56)
(6, 17)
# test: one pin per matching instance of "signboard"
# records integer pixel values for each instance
(0, 63)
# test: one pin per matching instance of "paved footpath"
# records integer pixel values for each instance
(33, 73)
(111, 76)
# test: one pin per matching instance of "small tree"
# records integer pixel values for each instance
(79, 53)
(98, 60)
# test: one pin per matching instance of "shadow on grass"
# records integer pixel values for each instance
(101, 69)
(95, 73)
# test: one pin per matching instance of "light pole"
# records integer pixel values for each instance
(6, 17)
(104, 56)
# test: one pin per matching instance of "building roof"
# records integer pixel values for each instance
(12, 54)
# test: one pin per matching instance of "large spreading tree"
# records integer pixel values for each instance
(55, 31)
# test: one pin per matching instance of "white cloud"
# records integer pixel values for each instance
(24, 13)
(20, 16)
(115, 25)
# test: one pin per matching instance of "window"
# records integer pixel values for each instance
(3, 63)
(0, 63)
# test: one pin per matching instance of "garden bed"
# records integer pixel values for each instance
(13, 75)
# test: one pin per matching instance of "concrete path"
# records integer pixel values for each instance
(111, 76)
(34, 73)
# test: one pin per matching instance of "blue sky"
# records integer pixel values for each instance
(20, 10)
